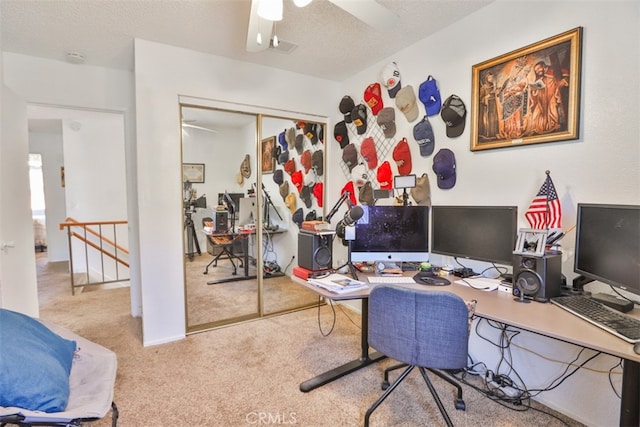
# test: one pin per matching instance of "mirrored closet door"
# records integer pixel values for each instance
(248, 180)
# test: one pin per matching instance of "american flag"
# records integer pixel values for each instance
(545, 211)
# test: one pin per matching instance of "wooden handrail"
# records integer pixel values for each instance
(70, 222)
(93, 245)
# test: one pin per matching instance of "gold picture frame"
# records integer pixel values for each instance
(528, 96)
(268, 159)
(193, 172)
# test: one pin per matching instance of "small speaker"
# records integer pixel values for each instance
(315, 251)
(537, 278)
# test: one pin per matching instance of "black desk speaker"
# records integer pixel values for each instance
(315, 251)
(538, 278)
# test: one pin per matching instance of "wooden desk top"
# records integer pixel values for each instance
(541, 318)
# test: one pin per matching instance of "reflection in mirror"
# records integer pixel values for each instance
(236, 217)
(292, 178)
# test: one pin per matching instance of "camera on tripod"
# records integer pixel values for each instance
(191, 202)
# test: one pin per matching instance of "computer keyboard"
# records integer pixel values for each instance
(390, 279)
(596, 313)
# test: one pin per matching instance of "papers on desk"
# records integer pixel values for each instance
(479, 283)
(339, 284)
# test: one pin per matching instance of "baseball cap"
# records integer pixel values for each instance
(365, 195)
(384, 176)
(290, 136)
(350, 156)
(444, 165)
(290, 202)
(282, 140)
(390, 77)
(341, 134)
(346, 107)
(290, 166)
(352, 196)
(359, 175)
(317, 191)
(284, 190)
(310, 132)
(283, 157)
(406, 102)
(298, 217)
(299, 144)
(430, 96)
(373, 98)
(305, 195)
(423, 134)
(278, 177)
(359, 118)
(421, 193)
(454, 114)
(317, 162)
(402, 156)
(296, 180)
(305, 160)
(368, 151)
(387, 121)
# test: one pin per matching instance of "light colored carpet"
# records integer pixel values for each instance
(249, 374)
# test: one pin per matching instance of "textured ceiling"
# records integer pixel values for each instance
(332, 44)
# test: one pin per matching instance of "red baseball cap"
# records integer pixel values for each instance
(296, 179)
(373, 98)
(317, 191)
(402, 156)
(305, 159)
(290, 166)
(385, 177)
(352, 192)
(368, 151)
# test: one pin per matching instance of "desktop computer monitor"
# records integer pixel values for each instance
(392, 233)
(482, 233)
(247, 211)
(608, 245)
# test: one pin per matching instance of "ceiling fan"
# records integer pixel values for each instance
(368, 11)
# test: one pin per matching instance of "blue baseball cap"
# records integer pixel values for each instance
(430, 96)
(423, 134)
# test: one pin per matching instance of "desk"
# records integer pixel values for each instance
(541, 318)
(244, 237)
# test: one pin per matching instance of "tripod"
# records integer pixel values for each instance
(192, 237)
(352, 267)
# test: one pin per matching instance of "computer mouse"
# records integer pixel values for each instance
(636, 347)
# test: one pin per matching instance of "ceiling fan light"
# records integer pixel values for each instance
(270, 10)
(259, 39)
(301, 3)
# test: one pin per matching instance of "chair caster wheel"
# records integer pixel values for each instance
(460, 405)
(385, 385)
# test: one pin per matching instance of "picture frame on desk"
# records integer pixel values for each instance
(531, 242)
(528, 96)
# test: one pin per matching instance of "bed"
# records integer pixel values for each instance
(91, 375)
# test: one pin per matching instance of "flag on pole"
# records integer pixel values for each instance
(545, 210)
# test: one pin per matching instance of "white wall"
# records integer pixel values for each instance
(55, 83)
(164, 73)
(601, 166)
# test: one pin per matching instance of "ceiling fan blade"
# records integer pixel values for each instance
(187, 125)
(370, 12)
(258, 25)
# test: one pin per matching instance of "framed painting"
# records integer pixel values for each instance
(268, 159)
(193, 172)
(528, 96)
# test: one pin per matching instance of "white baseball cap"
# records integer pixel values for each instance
(391, 78)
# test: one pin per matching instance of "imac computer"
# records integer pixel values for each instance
(392, 233)
(482, 233)
(247, 211)
(608, 245)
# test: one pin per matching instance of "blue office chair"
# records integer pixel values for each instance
(419, 328)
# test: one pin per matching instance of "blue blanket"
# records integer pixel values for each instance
(34, 364)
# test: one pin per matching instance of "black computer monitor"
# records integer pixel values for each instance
(392, 233)
(483, 233)
(608, 244)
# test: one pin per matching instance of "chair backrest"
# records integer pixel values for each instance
(419, 327)
(206, 219)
